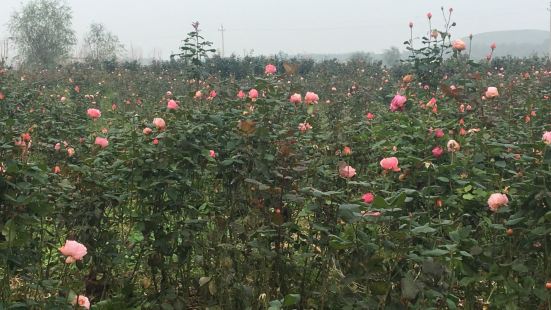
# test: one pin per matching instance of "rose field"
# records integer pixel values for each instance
(263, 183)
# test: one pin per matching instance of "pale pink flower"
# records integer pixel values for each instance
(296, 98)
(102, 142)
(73, 249)
(57, 146)
(147, 131)
(93, 113)
(70, 152)
(497, 200)
(491, 92)
(390, 163)
(311, 97)
(304, 127)
(270, 69)
(347, 172)
(82, 301)
(198, 95)
(458, 45)
(546, 137)
(159, 123)
(172, 105)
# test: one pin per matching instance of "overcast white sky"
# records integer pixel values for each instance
(292, 26)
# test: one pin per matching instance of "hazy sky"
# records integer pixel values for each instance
(292, 26)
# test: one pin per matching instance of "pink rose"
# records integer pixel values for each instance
(546, 137)
(390, 163)
(82, 301)
(491, 92)
(311, 97)
(439, 133)
(212, 154)
(74, 250)
(240, 94)
(253, 94)
(437, 151)
(296, 98)
(102, 142)
(497, 200)
(458, 45)
(304, 127)
(429, 15)
(347, 172)
(93, 113)
(57, 146)
(198, 95)
(398, 103)
(493, 46)
(270, 69)
(159, 123)
(368, 197)
(172, 105)
(147, 131)
(70, 152)
(370, 116)
(212, 95)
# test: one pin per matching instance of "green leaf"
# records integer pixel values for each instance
(425, 229)
(434, 252)
(291, 299)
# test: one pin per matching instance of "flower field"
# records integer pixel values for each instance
(349, 186)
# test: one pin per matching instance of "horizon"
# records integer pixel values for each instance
(332, 28)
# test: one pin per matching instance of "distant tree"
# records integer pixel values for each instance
(101, 45)
(391, 56)
(361, 57)
(42, 32)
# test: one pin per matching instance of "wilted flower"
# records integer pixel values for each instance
(453, 146)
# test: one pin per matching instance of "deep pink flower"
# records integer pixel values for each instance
(439, 133)
(368, 197)
(398, 103)
(370, 116)
(437, 151)
(212, 154)
(240, 94)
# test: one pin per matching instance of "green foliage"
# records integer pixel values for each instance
(194, 51)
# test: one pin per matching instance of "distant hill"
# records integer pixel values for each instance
(518, 43)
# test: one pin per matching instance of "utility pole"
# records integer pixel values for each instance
(549, 30)
(222, 33)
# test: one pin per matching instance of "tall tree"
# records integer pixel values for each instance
(101, 45)
(42, 32)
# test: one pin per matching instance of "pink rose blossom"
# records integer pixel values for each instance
(57, 146)
(458, 45)
(73, 249)
(491, 92)
(390, 163)
(438, 133)
(347, 172)
(253, 94)
(398, 103)
(102, 142)
(270, 69)
(370, 116)
(212, 154)
(296, 98)
(93, 113)
(70, 152)
(240, 94)
(304, 127)
(368, 197)
(311, 97)
(546, 137)
(497, 200)
(437, 151)
(172, 105)
(159, 123)
(147, 131)
(82, 301)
